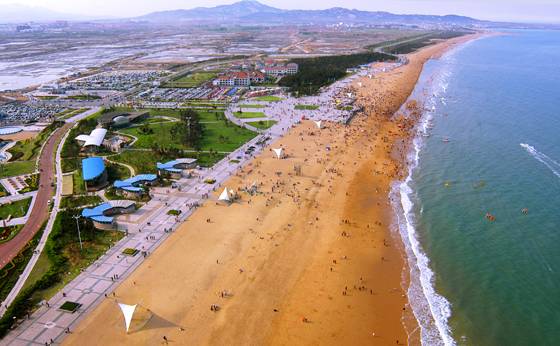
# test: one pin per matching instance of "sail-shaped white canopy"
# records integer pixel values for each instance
(278, 152)
(224, 196)
(128, 312)
(318, 123)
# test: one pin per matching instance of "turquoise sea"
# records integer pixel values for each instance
(489, 147)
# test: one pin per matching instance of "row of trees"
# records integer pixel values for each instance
(315, 73)
(189, 129)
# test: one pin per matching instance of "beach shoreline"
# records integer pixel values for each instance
(310, 260)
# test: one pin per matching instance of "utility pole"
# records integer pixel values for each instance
(76, 217)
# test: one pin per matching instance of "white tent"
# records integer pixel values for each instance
(318, 123)
(278, 152)
(225, 196)
(128, 312)
(360, 84)
(134, 313)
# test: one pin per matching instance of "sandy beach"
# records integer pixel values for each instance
(310, 260)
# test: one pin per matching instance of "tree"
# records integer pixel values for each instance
(189, 129)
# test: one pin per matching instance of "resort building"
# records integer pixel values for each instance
(176, 168)
(243, 79)
(102, 215)
(93, 141)
(94, 173)
(136, 186)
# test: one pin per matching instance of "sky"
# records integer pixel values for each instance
(503, 10)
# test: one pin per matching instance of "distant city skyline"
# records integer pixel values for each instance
(499, 10)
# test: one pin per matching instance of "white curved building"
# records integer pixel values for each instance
(95, 138)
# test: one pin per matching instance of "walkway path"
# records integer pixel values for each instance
(41, 210)
(34, 207)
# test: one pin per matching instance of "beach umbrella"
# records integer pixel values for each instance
(278, 152)
(318, 123)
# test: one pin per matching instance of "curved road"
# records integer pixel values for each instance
(40, 211)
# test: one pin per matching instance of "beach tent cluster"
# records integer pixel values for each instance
(135, 185)
(228, 195)
(102, 215)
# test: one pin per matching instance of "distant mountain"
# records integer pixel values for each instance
(251, 11)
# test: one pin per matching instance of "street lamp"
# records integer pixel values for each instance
(76, 217)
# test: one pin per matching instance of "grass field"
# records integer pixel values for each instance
(268, 98)
(15, 209)
(84, 97)
(262, 124)
(79, 201)
(306, 107)
(249, 115)
(30, 148)
(191, 80)
(12, 169)
(252, 106)
(218, 135)
(79, 186)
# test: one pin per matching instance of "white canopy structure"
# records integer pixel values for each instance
(225, 196)
(128, 312)
(360, 84)
(134, 314)
(278, 152)
(95, 138)
(318, 123)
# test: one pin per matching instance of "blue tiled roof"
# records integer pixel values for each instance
(131, 184)
(92, 168)
(97, 211)
(169, 166)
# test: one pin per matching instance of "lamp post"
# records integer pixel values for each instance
(76, 217)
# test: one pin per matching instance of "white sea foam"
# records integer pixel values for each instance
(553, 165)
(431, 310)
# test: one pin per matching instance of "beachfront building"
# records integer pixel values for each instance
(92, 142)
(121, 119)
(176, 169)
(103, 215)
(94, 173)
(242, 79)
(136, 186)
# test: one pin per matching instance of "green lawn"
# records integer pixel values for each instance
(268, 98)
(79, 201)
(218, 135)
(306, 107)
(15, 209)
(252, 106)
(79, 184)
(29, 149)
(12, 169)
(248, 115)
(262, 124)
(84, 97)
(191, 80)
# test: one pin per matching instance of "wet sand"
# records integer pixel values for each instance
(311, 260)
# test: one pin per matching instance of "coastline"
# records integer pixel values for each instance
(320, 249)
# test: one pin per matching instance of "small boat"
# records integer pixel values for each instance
(445, 140)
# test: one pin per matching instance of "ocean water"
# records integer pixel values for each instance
(483, 271)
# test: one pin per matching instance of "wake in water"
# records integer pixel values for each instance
(553, 165)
